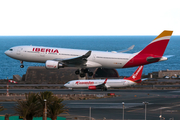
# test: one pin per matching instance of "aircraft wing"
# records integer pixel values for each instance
(130, 48)
(76, 61)
(102, 85)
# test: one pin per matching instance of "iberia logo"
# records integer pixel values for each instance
(88, 82)
(45, 50)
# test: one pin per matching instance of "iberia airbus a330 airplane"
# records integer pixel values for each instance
(55, 58)
(104, 84)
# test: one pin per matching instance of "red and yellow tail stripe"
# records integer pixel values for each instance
(166, 34)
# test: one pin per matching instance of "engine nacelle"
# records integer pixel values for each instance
(92, 88)
(51, 64)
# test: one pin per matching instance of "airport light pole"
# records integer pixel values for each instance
(123, 111)
(90, 113)
(7, 87)
(145, 103)
(45, 110)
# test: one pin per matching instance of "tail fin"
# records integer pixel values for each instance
(158, 45)
(136, 76)
(152, 52)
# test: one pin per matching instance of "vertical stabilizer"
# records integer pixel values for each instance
(153, 52)
(136, 75)
(158, 45)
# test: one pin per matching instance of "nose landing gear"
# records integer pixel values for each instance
(22, 66)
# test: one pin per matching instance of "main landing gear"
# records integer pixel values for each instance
(22, 66)
(104, 89)
(82, 72)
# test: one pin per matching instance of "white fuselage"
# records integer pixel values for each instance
(42, 54)
(114, 83)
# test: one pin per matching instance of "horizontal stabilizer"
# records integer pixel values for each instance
(155, 59)
(168, 56)
(144, 79)
(152, 59)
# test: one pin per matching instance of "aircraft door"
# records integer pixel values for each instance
(72, 83)
(19, 50)
(94, 56)
(42, 54)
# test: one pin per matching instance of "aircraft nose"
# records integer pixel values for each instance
(66, 85)
(6, 52)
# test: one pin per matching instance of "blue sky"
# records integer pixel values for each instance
(89, 17)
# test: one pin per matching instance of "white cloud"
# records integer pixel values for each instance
(88, 17)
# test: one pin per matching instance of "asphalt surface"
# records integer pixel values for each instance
(62, 85)
(160, 102)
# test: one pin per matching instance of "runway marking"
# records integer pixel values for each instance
(108, 103)
(95, 103)
(135, 110)
(161, 108)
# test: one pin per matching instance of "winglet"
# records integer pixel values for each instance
(105, 81)
(87, 54)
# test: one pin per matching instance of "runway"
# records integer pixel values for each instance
(164, 102)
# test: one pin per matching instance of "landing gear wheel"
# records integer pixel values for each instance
(22, 66)
(82, 75)
(90, 73)
(77, 72)
(86, 70)
(104, 89)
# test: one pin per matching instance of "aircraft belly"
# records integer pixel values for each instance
(36, 57)
(115, 84)
(110, 60)
(80, 86)
(112, 63)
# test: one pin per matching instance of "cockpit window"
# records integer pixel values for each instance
(68, 82)
(10, 49)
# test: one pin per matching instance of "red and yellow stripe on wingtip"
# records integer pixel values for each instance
(164, 33)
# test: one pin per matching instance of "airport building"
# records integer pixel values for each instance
(43, 75)
(165, 74)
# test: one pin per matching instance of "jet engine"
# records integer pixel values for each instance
(92, 88)
(51, 64)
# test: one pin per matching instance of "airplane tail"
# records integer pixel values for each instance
(152, 52)
(158, 45)
(136, 76)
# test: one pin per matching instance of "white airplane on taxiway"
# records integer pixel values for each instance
(104, 84)
(55, 58)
